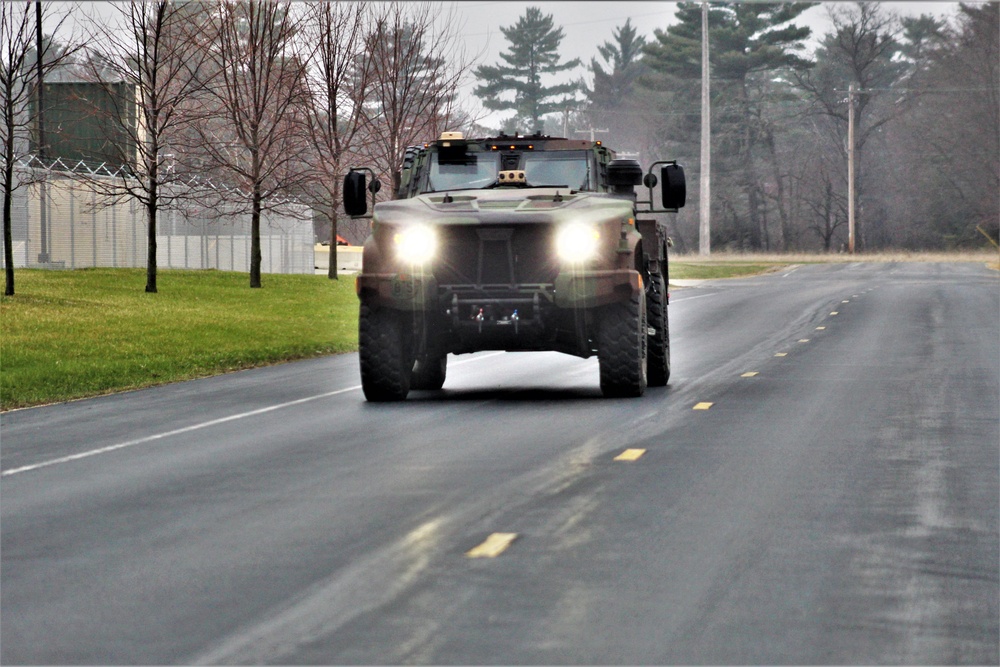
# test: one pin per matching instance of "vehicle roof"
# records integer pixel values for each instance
(519, 142)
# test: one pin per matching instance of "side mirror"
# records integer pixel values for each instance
(355, 193)
(674, 186)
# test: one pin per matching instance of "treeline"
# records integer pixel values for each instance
(926, 110)
(257, 102)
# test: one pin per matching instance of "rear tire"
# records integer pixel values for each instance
(429, 372)
(386, 360)
(659, 343)
(621, 351)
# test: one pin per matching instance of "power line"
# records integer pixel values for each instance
(916, 90)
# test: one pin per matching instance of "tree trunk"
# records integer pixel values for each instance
(255, 254)
(151, 237)
(332, 269)
(8, 240)
(8, 194)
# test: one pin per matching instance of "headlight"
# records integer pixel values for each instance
(577, 242)
(416, 244)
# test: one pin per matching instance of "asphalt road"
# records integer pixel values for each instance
(839, 507)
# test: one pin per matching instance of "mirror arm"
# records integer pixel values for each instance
(646, 180)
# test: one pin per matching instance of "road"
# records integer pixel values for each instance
(834, 499)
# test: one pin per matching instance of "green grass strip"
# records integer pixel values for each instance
(71, 334)
(687, 270)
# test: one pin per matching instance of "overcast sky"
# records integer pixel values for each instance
(585, 25)
(589, 23)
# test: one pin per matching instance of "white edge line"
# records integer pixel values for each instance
(692, 298)
(158, 436)
(793, 269)
(193, 427)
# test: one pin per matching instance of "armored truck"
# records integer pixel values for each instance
(514, 243)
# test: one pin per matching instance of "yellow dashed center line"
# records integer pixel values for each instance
(820, 328)
(703, 406)
(803, 340)
(835, 313)
(630, 455)
(749, 374)
(494, 545)
(781, 354)
(845, 300)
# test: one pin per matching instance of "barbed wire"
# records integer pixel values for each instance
(84, 168)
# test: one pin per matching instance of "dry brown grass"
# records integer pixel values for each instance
(988, 257)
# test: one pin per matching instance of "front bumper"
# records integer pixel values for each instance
(572, 289)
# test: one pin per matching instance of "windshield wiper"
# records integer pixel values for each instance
(431, 192)
(496, 184)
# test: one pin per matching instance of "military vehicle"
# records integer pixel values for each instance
(514, 243)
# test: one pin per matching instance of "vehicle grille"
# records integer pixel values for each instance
(496, 255)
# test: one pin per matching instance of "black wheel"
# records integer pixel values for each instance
(386, 360)
(621, 351)
(429, 372)
(659, 340)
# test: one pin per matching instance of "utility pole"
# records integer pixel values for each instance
(705, 200)
(592, 132)
(850, 169)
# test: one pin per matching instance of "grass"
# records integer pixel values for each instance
(733, 264)
(985, 256)
(689, 269)
(72, 334)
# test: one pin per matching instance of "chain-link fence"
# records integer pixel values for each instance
(60, 220)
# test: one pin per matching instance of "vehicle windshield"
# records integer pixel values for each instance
(468, 171)
(568, 169)
(473, 171)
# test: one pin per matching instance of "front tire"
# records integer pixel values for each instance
(659, 342)
(621, 351)
(386, 360)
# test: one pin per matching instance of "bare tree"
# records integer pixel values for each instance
(154, 52)
(411, 86)
(862, 50)
(336, 32)
(820, 196)
(257, 136)
(19, 81)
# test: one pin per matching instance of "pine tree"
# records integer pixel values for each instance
(622, 60)
(750, 43)
(611, 101)
(533, 52)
